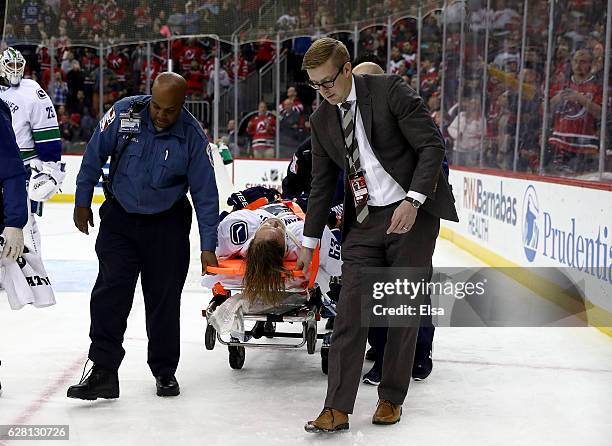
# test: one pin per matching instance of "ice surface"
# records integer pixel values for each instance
(502, 386)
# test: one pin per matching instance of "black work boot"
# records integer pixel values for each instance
(97, 383)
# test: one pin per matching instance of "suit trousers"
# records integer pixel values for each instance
(156, 247)
(368, 245)
(377, 336)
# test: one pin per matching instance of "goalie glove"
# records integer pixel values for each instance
(47, 178)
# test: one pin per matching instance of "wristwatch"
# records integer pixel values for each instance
(413, 202)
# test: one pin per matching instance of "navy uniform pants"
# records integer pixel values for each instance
(156, 248)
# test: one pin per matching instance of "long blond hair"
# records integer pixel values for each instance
(263, 279)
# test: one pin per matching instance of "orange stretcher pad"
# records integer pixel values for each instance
(237, 267)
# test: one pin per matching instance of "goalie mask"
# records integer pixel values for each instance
(12, 66)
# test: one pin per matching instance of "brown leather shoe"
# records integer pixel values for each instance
(329, 420)
(387, 412)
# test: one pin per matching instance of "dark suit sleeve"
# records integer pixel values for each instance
(324, 179)
(420, 130)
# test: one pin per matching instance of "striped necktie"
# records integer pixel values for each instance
(352, 148)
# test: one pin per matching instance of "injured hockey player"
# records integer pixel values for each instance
(266, 238)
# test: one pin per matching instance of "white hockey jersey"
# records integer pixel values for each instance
(34, 121)
(236, 231)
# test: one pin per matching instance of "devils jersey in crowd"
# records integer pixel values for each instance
(575, 129)
(262, 129)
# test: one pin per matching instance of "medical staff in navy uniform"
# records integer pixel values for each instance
(13, 195)
(158, 152)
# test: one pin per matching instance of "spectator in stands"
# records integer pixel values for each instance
(286, 22)
(88, 125)
(562, 66)
(227, 16)
(30, 11)
(228, 138)
(296, 104)
(138, 57)
(9, 35)
(176, 21)
(117, 63)
(595, 45)
(67, 131)
(224, 82)
(79, 104)
(265, 52)
(434, 107)
(48, 17)
(190, 52)
(41, 32)
(576, 105)
(509, 57)
(192, 19)
(159, 23)
(75, 78)
(66, 64)
(142, 19)
(409, 56)
(578, 29)
(396, 61)
(28, 36)
(430, 80)
(196, 80)
(60, 90)
(243, 67)
(530, 125)
(291, 126)
(262, 130)
(466, 131)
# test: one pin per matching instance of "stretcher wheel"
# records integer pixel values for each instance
(324, 358)
(210, 337)
(311, 337)
(236, 357)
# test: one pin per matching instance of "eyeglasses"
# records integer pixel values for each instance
(327, 84)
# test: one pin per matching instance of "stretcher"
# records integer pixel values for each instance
(300, 305)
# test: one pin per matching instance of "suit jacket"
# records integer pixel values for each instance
(404, 138)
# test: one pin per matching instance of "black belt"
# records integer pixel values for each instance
(182, 202)
(381, 208)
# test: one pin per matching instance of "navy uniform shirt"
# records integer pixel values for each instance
(13, 194)
(156, 168)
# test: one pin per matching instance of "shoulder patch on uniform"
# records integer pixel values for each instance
(107, 119)
(239, 232)
(41, 93)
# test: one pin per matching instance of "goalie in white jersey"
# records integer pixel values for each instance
(37, 133)
(265, 238)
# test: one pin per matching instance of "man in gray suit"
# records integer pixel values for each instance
(378, 130)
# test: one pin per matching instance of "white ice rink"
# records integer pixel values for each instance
(545, 386)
